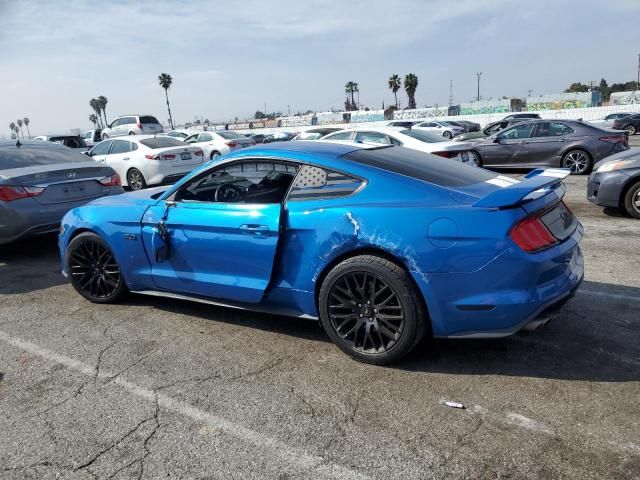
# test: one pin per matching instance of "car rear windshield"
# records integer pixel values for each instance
(422, 166)
(148, 119)
(229, 135)
(29, 156)
(427, 137)
(162, 142)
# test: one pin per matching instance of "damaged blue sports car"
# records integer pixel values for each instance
(383, 245)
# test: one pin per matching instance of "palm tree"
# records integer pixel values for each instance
(410, 86)
(19, 122)
(165, 81)
(395, 82)
(102, 103)
(12, 127)
(94, 119)
(95, 106)
(350, 89)
(26, 124)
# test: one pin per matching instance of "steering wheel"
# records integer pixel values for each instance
(227, 193)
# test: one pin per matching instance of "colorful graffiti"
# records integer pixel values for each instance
(625, 98)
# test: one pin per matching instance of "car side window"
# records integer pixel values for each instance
(102, 148)
(263, 182)
(315, 183)
(191, 138)
(395, 141)
(120, 146)
(519, 131)
(205, 137)
(340, 136)
(372, 137)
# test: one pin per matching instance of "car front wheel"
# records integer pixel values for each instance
(632, 200)
(214, 154)
(447, 134)
(370, 309)
(578, 161)
(630, 129)
(93, 269)
(135, 179)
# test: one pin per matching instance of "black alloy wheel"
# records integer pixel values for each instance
(370, 309)
(93, 269)
(135, 179)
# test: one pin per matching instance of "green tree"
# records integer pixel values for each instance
(26, 124)
(94, 119)
(577, 87)
(395, 82)
(410, 86)
(259, 115)
(102, 103)
(95, 106)
(12, 127)
(165, 81)
(350, 89)
(19, 122)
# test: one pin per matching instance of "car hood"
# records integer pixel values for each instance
(632, 156)
(148, 196)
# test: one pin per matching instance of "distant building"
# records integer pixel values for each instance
(625, 98)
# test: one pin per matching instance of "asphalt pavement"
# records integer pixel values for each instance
(156, 388)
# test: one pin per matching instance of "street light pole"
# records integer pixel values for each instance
(638, 81)
(479, 74)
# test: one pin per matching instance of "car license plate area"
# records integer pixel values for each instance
(185, 156)
(560, 221)
(66, 192)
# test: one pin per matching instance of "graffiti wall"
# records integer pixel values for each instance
(625, 98)
(486, 106)
(564, 101)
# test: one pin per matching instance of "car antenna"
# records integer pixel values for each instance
(18, 144)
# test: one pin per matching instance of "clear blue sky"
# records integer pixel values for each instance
(229, 57)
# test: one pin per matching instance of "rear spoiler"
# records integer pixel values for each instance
(536, 184)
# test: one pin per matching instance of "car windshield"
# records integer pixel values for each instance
(309, 136)
(162, 142)
(32, 155)
(148, 119)
(230, 135)
(427, 137)
(422, 166)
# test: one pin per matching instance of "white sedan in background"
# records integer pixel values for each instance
(444, 128)
(143, 160)
(423, 141)
(215, 144)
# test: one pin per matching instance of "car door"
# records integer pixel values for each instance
(510, 147)
(546, 143)
(217, 234)
(119, 156)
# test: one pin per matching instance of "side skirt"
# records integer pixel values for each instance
(262, 308)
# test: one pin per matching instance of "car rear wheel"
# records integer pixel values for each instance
(578, 161)
(215, 154)
(105, 136)
(630, 129)
(632, 200)
(370, 309)
(447, 134)
(93, 269)
(475, 158)
(132, 133)
(135, 179)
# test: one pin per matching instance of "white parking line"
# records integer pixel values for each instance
(617, 296)
(313, 464)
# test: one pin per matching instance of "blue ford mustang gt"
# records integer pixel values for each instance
(383, 245)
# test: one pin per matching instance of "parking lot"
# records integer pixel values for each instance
(163, 388)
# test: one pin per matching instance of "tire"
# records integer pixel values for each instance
(93, 269)
(132, 133)
(578, 161)
(632, 200)
(215, 154)
(105, 136)
(447, 134)
(356, 327)
(135, 179)
(630, 129)
(476, 159)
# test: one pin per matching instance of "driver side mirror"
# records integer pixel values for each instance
(87, 153)
(497, 139)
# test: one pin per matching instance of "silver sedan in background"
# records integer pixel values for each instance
(41, 181)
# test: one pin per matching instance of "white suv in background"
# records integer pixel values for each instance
(132, 125)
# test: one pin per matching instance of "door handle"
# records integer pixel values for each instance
(126, 158)
(254, 229)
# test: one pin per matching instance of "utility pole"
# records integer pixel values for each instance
(638, 81)
(289, 108)
(450, 93)
(265, 109)
(479, 74)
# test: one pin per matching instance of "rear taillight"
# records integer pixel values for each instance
(198, 153)
(532, 235)
(112, 181)
(446, 154)
(165, 156)
(615, 139)
(231, 144)
(139, 125)
(9, 194)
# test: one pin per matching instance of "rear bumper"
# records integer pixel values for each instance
(30, 219)
(507, 294)
(604, 188)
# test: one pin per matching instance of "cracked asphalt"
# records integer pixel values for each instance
(158, 388)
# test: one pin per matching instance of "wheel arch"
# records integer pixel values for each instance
(376, 251)
(627, 186)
